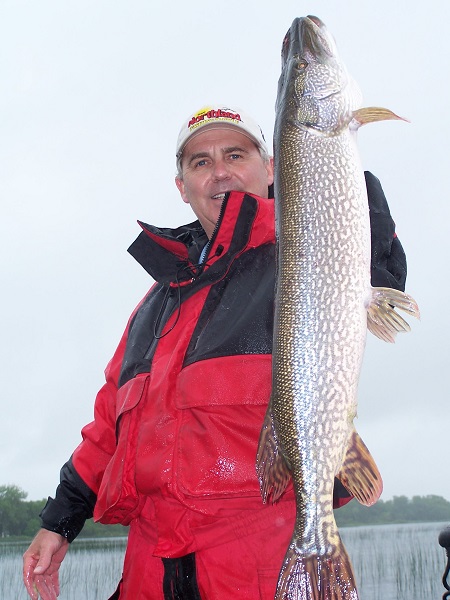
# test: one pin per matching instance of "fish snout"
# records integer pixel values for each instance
(308, 38)
(316, 20)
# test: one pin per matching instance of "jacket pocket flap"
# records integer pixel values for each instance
(225, 381)
(130, 394)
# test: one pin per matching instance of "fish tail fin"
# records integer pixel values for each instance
(382, 319)
(271, 467)
(371, 114)
(314, 577)
(359, 474)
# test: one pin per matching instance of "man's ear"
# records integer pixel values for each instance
(180, 185)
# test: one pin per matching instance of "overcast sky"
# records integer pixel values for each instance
(92, 95)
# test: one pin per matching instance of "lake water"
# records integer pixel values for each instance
(391, 562)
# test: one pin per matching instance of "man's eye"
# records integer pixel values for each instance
(235, 156)
(200, 163)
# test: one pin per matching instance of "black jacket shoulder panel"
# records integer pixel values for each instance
(237, 317)
(148, 321)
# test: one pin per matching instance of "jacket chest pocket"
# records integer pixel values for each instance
(222, 404)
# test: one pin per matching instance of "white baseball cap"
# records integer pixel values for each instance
(215, 116)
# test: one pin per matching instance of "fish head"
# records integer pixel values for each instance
(315, 87)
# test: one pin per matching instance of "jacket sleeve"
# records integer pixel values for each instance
(388, 263)
(81, 476)
(73, 503)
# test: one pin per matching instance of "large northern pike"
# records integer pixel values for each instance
(324, 304)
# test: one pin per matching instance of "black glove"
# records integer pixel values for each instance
(388, 263)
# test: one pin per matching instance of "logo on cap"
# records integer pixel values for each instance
(211, 114)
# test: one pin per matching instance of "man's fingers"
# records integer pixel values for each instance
(55, 582)
(30, 585)
(45, 587)
(47, 584)
(28, 577)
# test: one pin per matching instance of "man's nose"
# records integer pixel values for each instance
(221, 170)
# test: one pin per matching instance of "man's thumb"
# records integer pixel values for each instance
(43, 563)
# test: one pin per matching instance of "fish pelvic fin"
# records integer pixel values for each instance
(382, 319)
(371, 114)
(314, 577)
(271, 467)
(359, 474)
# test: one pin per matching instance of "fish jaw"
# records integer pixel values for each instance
(315, 91)
(309, 38)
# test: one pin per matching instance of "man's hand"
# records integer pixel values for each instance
(41, 564)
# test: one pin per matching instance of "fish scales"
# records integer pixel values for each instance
(323, 296)
(321, 315)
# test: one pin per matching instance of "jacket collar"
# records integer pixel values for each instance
(171, 255)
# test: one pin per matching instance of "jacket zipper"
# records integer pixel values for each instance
(211, 240)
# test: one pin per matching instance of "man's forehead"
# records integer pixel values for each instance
(224, 137)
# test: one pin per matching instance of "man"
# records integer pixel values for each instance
(171, 450)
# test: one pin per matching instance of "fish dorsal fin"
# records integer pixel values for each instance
(371, 114)
(359, 474)
(271, 466)
(382, 320)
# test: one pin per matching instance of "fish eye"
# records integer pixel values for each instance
(299, 62)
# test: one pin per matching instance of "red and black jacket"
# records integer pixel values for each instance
(210, 326)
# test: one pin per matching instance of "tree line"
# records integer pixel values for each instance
(20, 517)
(418, 509)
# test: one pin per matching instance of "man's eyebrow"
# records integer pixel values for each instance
(234, 149)
(226, 150)
(197, 155)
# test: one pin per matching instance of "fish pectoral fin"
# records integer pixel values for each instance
(382, 319)
(359, 474)
(271, 467)
(371, 114)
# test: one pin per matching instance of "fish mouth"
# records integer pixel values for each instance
(308, 38)
(316, 20)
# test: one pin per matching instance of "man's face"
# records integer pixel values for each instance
(217, 161)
